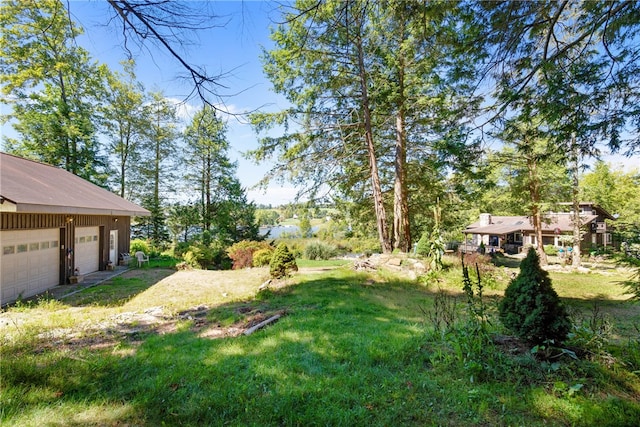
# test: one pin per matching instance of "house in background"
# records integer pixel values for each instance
(53, 225)
(513, 233)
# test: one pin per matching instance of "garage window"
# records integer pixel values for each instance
(44, 245)
(34, 246)
(8, 250)
(22, 248)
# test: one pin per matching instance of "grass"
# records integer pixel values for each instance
(351, 349)
(306, 263)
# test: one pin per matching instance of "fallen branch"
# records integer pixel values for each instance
(262, 324)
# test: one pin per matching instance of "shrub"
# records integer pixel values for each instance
(550, 250)
(241, 253)
(206, 256)
(139, 245)
(282, 262)
(262, 257)
(531, 307)
(319, 250)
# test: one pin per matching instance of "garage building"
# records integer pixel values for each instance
(55, 225)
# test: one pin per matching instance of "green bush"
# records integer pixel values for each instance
(140, 245)
(550, 250)
(319, 250)
(262, 257)
(212, 256)
(531, 307)
(363, 245)
(282, 262)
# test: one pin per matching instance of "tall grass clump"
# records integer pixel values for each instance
(319, 251)
(461, 339)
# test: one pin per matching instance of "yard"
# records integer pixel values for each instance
(157, 346)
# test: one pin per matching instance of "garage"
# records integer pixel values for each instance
(87, 249)
(30, 262)
(53, 222)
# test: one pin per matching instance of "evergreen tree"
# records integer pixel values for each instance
(531, 307)
(282, 262)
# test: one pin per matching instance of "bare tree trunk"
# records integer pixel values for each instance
(381, 216)
(575, 200)
(401, 229)
(536, 214)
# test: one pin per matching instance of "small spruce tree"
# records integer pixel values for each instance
(531, 307)
(282, 262)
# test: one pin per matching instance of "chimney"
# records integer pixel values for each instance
(485, 219)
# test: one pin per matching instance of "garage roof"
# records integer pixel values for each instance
(30, 186)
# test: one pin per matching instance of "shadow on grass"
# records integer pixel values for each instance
(348, 352)
(118, 290)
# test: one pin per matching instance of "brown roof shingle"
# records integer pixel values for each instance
(511, 224)
(40, 188)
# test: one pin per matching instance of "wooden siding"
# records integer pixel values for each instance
(67, 223)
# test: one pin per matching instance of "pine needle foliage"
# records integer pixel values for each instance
(282, 263)
(531, 308)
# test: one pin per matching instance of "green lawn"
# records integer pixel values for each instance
(350, 349)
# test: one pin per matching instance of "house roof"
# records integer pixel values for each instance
(30, 186)
(512, 224)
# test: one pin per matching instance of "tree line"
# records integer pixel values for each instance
(396, 107)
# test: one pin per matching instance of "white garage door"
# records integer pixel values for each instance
(86, 249)
(30, 262)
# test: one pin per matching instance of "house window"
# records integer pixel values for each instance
(34, 246)
(518, 237)
(609, 238)
(8, 250)
(22, 248)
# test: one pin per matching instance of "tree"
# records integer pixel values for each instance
(182, 219)
(282, 263)
(267, 217)
(54, 88)
(579, 58)
(321, 67)
(618, 192)
(305, 226)
(536, 180)
(155, 178)
(224, 210)
(124, 124)
(369, 94)
(206, 159)
(531, 307)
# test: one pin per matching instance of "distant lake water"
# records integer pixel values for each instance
(276, 231)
